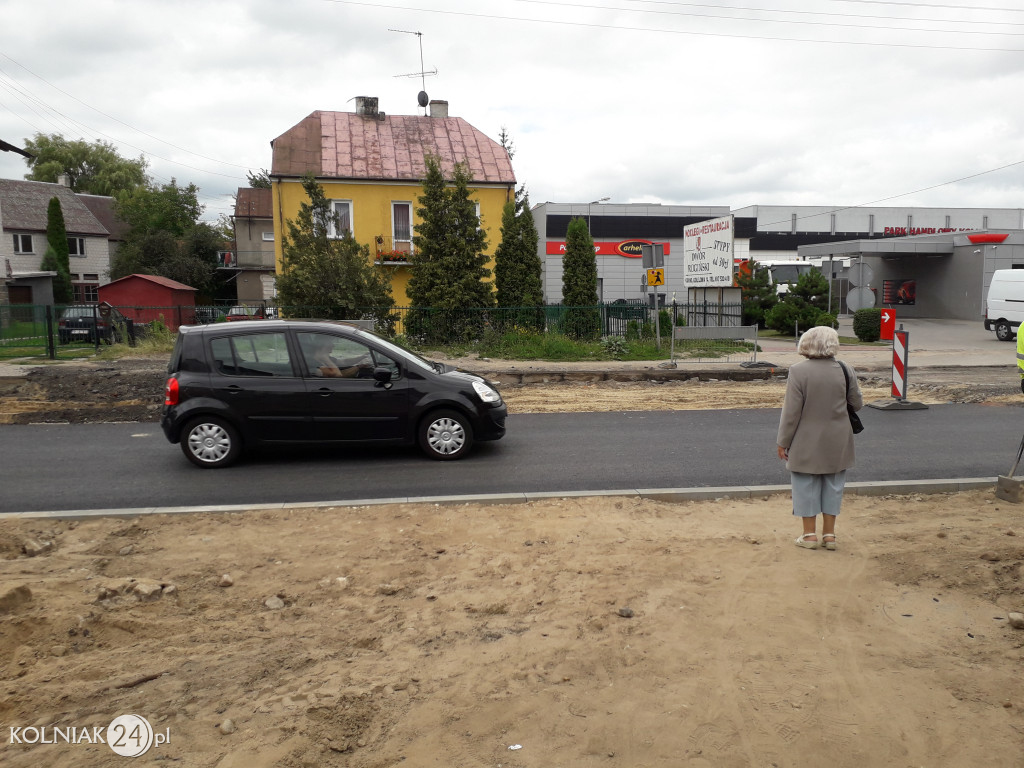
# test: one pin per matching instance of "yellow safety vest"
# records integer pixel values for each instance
(1020, 351)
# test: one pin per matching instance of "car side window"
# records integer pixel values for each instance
(330, 356)
(252, 354)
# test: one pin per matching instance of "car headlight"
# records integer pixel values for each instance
(486, 393)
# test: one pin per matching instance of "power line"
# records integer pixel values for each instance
(785, 21)
(691, 33)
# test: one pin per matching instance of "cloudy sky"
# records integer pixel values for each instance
(721, 102)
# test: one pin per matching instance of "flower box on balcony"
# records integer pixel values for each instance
(392, 257)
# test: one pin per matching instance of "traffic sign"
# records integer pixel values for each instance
(656, 276)
(888, 324)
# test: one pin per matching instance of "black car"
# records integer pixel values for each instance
(90, 323)
(235, 385)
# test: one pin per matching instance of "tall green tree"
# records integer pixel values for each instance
(757, 291)
(517, 267)
(449, 281)
(166, 238)
(95, 169)
(333, 276)
(63, 291)
(579, 282)
(57, 233)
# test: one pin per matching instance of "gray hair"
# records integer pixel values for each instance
(819, 341)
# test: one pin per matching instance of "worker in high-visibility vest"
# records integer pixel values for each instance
(1020, 356)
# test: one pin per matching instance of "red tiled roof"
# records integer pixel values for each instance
(254, 203)
(345, 145)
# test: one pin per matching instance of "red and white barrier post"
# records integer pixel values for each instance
(900, 343)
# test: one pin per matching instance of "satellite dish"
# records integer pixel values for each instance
(422, 99)
(860, 298)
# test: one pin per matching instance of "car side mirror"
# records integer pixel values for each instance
(382, 375)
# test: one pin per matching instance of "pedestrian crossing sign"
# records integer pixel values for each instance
(656, 276)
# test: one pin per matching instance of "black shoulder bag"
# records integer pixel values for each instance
(855, 422)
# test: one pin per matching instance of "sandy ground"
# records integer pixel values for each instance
(572, 632)
(583, 632)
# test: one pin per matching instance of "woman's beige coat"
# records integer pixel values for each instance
(815, 427)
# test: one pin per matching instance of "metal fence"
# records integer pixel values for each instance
(43, 330)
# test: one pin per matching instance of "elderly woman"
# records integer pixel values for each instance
(815, 438)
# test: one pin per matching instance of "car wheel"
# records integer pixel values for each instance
(1003, 331)
(211, 442)
(446, 435)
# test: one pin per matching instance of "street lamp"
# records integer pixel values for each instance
(602, 200)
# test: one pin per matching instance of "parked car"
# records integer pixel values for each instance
(239, 312)
(84, 322)
(232, 386)
(205, 315)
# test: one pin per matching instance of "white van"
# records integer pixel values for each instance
(1004, 306)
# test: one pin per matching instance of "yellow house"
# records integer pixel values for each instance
(371, 168)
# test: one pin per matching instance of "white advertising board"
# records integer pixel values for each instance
(707, 253)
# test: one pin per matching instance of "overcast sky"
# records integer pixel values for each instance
(722, 102)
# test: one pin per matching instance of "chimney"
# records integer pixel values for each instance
(366, 106)
(64, 180)
(438, 108)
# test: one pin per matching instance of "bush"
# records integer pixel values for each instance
(826, 319)
(867, 324)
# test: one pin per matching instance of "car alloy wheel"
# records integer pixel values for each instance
(446, 435)
(211, 442)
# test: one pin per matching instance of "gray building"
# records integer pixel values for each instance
(943, 275)
(925, 259)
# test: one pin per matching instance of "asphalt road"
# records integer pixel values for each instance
(116, 466)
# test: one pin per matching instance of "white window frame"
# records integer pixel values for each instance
(79, 246)
(395, 239)
(19, 244)
(335, 204)
(268, 237)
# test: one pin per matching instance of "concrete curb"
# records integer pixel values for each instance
(672, 495)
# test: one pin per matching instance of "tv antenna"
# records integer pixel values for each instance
(422, 99)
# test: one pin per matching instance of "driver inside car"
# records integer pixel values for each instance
(323, 364)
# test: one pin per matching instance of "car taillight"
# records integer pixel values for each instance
(171, 392)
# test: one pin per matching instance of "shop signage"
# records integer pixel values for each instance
(631, 249)
(708, 253)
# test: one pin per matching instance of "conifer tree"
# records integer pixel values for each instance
(579, 282)
(57, 258)
(758, 292)
(449, 282)
(517, 267)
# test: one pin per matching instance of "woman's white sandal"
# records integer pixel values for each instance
(829, 545)
(802, 541)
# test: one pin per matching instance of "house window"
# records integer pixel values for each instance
(23, 243)
(268, 237)
(86, 293)
(343, 210)
(401, 226)
(76, 246)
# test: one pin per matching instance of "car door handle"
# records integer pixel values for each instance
(233, 389)
(324, 391)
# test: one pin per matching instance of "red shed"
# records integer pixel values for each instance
(144, 298)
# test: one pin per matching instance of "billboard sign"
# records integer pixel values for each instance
(707, 253)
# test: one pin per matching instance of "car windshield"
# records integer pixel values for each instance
(79, 312)
(412, 357)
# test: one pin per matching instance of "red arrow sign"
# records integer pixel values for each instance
(888, 324)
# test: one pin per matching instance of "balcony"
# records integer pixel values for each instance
(391, 253)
